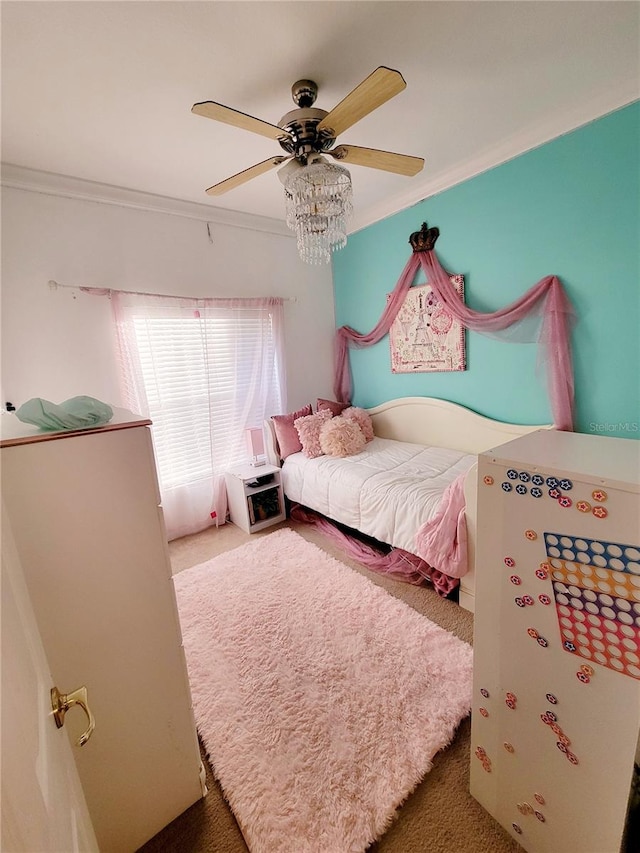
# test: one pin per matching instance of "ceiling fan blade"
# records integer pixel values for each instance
(218, 112)
(401, 164)
(247, 175)
(383, 84)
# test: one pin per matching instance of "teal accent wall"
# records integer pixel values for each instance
(569, 208)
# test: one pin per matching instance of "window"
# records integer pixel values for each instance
(203, 371)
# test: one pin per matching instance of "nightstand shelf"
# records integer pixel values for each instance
(255, 496)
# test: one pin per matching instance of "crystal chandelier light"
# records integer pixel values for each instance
(318, 207)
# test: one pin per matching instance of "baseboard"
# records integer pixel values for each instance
(467, 600)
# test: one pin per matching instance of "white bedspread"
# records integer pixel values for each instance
(387, 491)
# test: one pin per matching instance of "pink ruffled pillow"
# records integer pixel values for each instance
(334, 407)
(341, 437)
(363, 419)
(286, 433)
(308, 428)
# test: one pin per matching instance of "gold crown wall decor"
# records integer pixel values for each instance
(425, 239)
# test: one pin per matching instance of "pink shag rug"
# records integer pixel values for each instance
(320, 698)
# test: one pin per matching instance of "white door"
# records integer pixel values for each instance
(43, 807)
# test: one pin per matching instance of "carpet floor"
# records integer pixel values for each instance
(440, 816)
(320, 698)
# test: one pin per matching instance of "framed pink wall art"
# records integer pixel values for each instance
(425, 337)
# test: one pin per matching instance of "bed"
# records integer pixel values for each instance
(395, 484)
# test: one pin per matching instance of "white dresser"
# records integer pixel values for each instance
(556, 702)
(84, 511)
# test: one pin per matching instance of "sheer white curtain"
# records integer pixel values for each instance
(203, 370)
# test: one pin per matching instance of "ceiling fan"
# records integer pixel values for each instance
(307, 132)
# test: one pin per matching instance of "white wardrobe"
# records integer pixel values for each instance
(556, 702)
(84, 511)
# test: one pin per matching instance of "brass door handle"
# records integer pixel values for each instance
(61, 702)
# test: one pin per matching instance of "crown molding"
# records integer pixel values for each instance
(50, 183)
(528, 139)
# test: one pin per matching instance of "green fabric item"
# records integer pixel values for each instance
(76, 413)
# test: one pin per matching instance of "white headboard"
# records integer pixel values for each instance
(439, 423)
(426, 420)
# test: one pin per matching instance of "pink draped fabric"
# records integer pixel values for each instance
(442, 542)
(398, 564)
(546, 300)
(193, 501)
(346, 335)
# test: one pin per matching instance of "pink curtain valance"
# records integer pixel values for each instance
(546, 304)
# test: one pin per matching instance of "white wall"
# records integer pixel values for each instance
(58, 343)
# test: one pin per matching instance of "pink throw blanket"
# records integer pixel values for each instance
(442, 542)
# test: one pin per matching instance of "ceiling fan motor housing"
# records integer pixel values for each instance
(302, 124)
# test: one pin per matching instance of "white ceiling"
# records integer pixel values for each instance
(103, 90)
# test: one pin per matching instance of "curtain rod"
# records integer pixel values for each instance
(106, 291)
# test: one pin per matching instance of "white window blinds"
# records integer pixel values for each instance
(203, 375)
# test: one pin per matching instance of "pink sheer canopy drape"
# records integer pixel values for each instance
(397, 563)
(546, 303)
